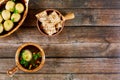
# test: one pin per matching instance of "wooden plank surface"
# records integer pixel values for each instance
(74, 4)
(63, 77)
(87, 49)
(67, 36)
(84, 17)
(72, 42)
(70, 50)
(87, 12)
(72, 65)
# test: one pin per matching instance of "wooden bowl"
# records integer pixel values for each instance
(63, 19)
(24, 14)
(19, 66)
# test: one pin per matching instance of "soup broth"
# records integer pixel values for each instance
(30, 57)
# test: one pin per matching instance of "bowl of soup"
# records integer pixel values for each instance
(29, 57)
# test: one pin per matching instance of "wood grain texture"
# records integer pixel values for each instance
(72, 42)
(84, 17)
(72, 65)
(78, 50)
(87, 49)
(68, 35)
(63, 77)
(35, 4)
(88, 12)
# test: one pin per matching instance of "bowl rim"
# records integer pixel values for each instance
(17, 57)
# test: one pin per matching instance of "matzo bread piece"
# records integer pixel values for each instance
(42, 17)
(54, 18)
(49, 28)
(59, 25)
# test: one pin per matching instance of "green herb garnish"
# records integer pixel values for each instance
(23, 62)
(12, 19)
(15, 11)
(36, 56)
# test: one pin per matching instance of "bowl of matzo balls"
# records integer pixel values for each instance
(12, 15)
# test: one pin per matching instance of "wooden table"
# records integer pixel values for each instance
(87, 49)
